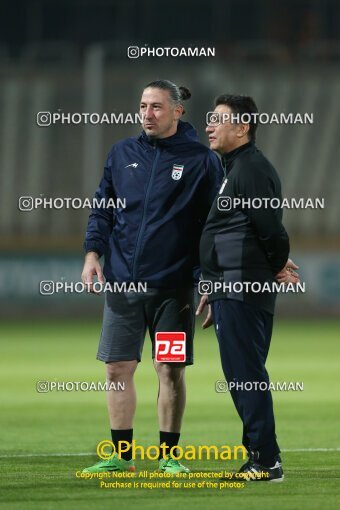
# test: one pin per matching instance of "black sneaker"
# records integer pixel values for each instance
(254, 472)
(253, 456)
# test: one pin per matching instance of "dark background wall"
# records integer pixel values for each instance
(72, 56)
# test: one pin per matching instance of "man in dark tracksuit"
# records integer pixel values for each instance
(169, 180)
(240, 244)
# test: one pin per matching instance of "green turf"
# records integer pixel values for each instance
(73, 422)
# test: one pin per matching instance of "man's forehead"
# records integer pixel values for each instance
(152, 95)
(222, 108)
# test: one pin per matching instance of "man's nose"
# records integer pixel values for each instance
(148, 113)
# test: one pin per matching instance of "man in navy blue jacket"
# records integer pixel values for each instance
(169, 180)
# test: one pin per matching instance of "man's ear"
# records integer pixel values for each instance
(243, 130)
(179, 110)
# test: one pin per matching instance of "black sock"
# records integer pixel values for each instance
(170, 439)
(122, 435)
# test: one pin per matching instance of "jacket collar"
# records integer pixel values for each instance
(185, 133)
(228, 157)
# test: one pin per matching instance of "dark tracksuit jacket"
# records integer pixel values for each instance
(245, 244)
(169, 186)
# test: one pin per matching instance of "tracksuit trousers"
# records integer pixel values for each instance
(244, 334)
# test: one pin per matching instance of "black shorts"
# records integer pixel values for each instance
(128, 315)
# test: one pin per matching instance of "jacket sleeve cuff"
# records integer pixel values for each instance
(92, 246)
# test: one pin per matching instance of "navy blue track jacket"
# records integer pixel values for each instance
(169, 185)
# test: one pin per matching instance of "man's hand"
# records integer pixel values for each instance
(91, 268)
(208, 320)
(287, 274)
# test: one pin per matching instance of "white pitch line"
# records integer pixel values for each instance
(93, 453)
(312, 450)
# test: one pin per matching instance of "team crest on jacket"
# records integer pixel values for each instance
(177, 171)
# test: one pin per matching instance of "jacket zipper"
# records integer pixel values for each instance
(142, 226)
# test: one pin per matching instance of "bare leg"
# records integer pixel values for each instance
(121, 404)
(171, 396)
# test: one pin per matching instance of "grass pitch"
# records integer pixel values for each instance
(70, 424)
